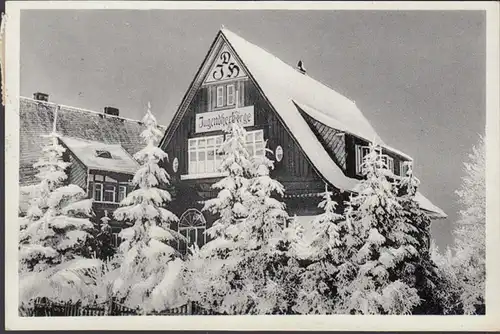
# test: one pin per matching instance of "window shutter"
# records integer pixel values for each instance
(213, 97)
(204, 99)
(241, 93)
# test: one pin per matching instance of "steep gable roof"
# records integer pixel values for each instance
(291, 92)
(36, 119)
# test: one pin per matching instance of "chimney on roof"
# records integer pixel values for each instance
(41, 96)
(300, 67)
(112, 111)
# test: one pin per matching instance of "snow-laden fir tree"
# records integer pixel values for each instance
(150, 267)
(317, 290)
(53, 252)
(268, 272)
(470, 247)
(211, 269)
(448, 287)
(245, 268)
(375, 246)
(413, 229)
(104, 240)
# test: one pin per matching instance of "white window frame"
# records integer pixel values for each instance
(194, 151)
(101, 191)
(389, 162)
(230, 97)
(403, 167)
(219, 96)
(100, 181)
(207, 171)
(109, 191)
(121, 187)
(116, 239)
(359, 157)
(253, 142)
(202, 226)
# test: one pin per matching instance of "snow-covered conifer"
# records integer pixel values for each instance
(104, 239)
(54, 232)
(150, 267)
(209, 272)
(317, 290)
(412, 228)
(246, 268)
(470, 231)
(375, 247)
(268, 272)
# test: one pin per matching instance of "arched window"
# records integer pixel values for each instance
(192, 226)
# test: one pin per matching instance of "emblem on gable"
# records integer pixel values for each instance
(225, 67)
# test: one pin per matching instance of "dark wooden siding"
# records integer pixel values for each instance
(77, 173)
(294, 170)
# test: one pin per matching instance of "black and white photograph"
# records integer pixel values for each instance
(236, 160)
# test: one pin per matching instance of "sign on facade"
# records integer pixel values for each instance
(225, 67)
(219, 120)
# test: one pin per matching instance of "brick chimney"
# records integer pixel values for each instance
(41, 96)
(112, 111)
(300, 67)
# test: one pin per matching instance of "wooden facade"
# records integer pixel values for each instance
(294, 169)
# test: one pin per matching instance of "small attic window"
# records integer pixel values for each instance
(103, 154)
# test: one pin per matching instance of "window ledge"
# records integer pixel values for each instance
(106, 202)
(203, 176)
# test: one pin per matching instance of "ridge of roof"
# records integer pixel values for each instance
(286, 80)
(330, 106)
(85, 110)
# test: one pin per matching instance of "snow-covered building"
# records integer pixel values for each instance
(99, 145)
(317, 135)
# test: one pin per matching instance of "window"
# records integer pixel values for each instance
(227, 95)
(116, 239)
(192, 226)
(220, 96)
(203, 154)
(98, 192)
(230, 95)
(389, 162)
(107, 189)
(103, 154)
(404, 167)
(255, 143)
(109, 193)
(361, 153)
(122, 192)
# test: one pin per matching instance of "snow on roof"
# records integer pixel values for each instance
(36, 119)
(286, 88)
(271, 72)
(434, 211)
(87, 152)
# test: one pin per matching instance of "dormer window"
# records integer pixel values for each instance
(363, 151)
(103, 154)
